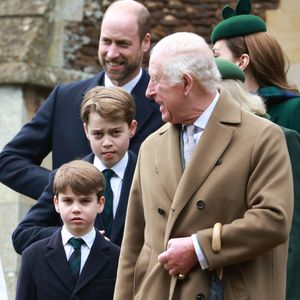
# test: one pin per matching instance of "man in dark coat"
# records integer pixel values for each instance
(57, 126)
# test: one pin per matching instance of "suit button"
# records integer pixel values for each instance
(161, 211)
(219, 161)
(200, 204)
(200, 296)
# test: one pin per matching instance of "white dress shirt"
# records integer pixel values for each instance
(88, 238)
(201, 122)
(117, 180)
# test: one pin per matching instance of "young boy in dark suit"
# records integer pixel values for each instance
(76, 262)
(108, 116)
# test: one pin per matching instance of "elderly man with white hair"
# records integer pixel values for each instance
(212, 189)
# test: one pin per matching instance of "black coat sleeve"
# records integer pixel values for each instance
(41, 221)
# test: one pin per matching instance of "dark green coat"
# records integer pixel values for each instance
(283, 107)
(293, 268)
(284, 113)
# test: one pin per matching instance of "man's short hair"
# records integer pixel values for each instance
(138, 10)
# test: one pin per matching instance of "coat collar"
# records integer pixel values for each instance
(55, 257)
(96, 261)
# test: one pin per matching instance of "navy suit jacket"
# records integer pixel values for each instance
(45, 273)
(57, 127)
(42, 220)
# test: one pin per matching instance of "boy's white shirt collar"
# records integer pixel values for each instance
(118, 168)
(128, 87)
(88, 238)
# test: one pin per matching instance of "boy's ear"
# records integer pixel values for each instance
(101, 204)
(132, 128)
(55, 200)
(85, 126)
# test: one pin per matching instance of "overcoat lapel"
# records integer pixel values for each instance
(169, 141)
(213, 143)
(98, 221)
(56, 259)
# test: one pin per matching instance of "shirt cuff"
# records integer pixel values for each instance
(200, 255)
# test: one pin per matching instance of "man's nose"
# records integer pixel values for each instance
(113, 51)
(150, 92)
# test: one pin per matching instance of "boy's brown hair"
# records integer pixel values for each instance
(82, 177)
(111, 103)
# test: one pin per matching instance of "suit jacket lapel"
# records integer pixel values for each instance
(89, 158)
(213, 143)
(96, 261)
(97, 80)
(57, 261)
(98, 221)
(118, 224)
(144, 107)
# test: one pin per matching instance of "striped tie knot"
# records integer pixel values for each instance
(76, 242)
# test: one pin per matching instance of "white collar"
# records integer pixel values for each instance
(203, 119)
(128, 87)
(88, 237)
(119, 168)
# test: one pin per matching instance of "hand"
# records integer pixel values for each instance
(103, 233)
(180, 256)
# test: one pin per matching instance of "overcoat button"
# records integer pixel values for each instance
(200, 204)
(200, 296)
(161, 211)
(219, 161)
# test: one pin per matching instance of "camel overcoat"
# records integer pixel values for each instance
(239, 175)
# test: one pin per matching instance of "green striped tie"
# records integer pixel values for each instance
(107, 213)
(75, 258)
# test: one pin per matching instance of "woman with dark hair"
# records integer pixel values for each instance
(242, 39)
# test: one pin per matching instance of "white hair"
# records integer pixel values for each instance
(187, 52)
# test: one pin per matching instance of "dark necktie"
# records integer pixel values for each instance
(107, 214)
(75, 258)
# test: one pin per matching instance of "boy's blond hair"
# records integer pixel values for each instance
(82, 177)
(111, 103)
